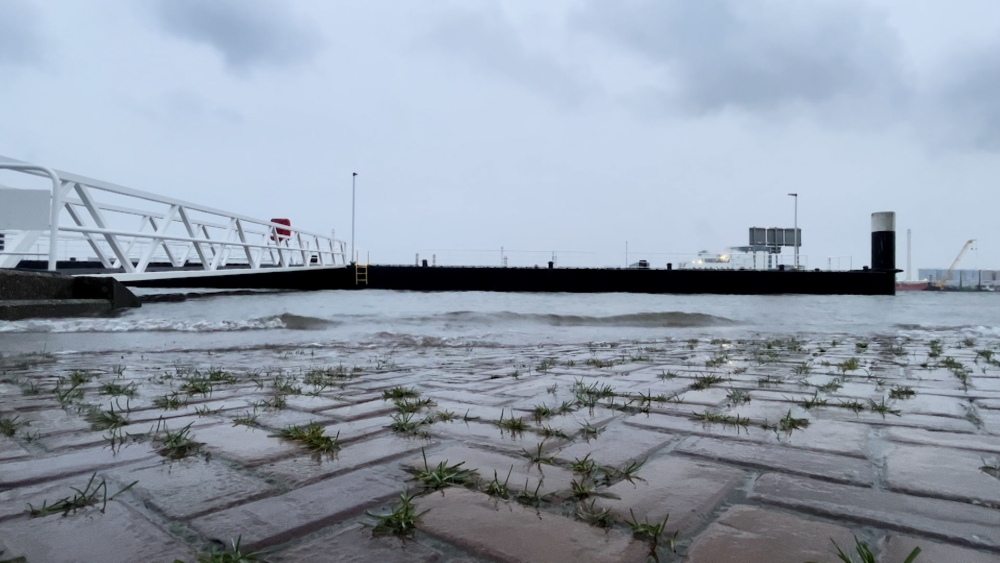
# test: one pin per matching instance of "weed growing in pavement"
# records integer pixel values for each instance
(814, 401)
(649, 532)
(767, 381)
(702, 382)
(525, 496)
(399, 392)
(628, 472)
(590, 431)
(935, 348)
(237, 556)
(717, 361)
(545, 366)
(901, 392)
(9, 425)
(412, 404)
(600, 517)
(201, 387)
(79, 377)
(409, 424)
(217, 375)
(830, 387)
(991, 468)
(445, 416)
(665, 375)
(847, 365)
(566, 407)
(542, 412)
(549, 432)
(968, 342)
(286, 385)
(882, 408)
(169, 402)
(802, 369)
(30, 388)
(67, 397)
(442, 475)
(176, 444)
(789, 423)
(467, 418)
(109, 419)
(709, 417)
(736, 397)
(401, 521)
(277, 402)
(585, 466)
(865, 554)
(247, 419)
(512, 425)
(497, 489)
(537, 457)
(89, 496)
(312, 436)
(860, 347)
(854, 405)
(586, 487)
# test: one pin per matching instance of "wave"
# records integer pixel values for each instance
(287, 321)
(668, 319)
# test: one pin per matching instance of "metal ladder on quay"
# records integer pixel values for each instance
(361, 274)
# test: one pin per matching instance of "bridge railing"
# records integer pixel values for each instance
(128, 230)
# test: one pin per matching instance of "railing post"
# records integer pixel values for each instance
(53, 212)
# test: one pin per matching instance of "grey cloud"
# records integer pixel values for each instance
(487, 41)
(246, 32)
(757, 55)
(962, 107)
(20, 40)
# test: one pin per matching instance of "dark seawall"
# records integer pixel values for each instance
(606, 280)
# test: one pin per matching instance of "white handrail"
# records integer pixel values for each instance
(279, 245)
(54, 210)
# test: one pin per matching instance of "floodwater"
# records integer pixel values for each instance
(764, 425)
(388, 318)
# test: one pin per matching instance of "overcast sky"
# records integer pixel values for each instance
(573, 125)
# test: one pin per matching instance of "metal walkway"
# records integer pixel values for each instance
(137, 235)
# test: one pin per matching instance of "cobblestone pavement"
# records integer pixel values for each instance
(759, 451)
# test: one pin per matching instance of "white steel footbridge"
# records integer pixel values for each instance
(82, 225)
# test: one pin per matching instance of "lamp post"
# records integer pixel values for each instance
(354, 176)
(795, 229)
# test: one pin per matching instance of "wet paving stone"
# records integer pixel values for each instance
(279, 519)
(947, 520)
(975, 442)
(376, 407)
(825, 466)
(119, 535)
(512, 533)
(355, 544)
(305, 469)
(524, 475)
(944, 473)
(77, 462)
(687, 490)
(616, 445)
(897, 548)
(755, 535)
(190, 487)
(243, 444)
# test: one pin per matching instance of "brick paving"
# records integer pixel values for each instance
(757, 451)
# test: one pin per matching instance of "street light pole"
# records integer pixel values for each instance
(354, 175)
(795, 229)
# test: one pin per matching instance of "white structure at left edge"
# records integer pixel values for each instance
(140, 235)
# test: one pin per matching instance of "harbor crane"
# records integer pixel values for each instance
(940, 283)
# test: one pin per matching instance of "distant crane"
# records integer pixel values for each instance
(940, 283)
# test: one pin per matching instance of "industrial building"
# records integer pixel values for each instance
(988, 280)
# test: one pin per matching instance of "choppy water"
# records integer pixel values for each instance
(387, 318)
